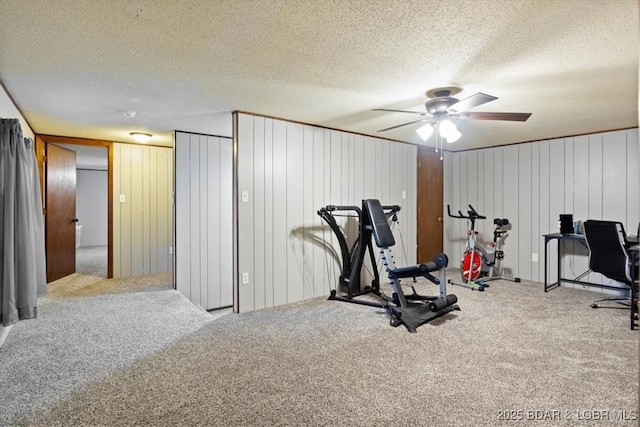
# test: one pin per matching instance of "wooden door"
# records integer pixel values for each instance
(60, 216)
(430, 200)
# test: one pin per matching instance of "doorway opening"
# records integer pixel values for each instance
(91, 232)
(87, 226)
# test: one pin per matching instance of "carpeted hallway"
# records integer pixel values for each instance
(92, 260)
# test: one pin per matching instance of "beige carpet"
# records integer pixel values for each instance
(82, 285)
(512, 352)
(86, 329)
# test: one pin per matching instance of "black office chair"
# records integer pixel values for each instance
(609, 256)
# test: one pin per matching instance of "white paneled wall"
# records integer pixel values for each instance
(591, 176)
(289, 171)
(142, 221)
(204, 214)
(91, 206)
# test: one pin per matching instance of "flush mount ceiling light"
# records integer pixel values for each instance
(141, 137)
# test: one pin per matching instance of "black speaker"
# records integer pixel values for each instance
(566, 223)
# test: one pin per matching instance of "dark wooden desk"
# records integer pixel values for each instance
(633, 250)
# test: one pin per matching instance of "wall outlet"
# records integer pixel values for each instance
(404, 194)
(245, 278)
(534, 257)
(123, 198)
(170, 250)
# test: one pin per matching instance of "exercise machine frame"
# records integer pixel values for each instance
(413, 309)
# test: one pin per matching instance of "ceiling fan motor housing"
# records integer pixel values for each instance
(439, 105)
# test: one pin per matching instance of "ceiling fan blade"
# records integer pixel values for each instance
(400, 111)
(472, 101)
(403, 124)
(512, 117)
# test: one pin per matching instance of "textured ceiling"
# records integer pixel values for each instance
(72, 66)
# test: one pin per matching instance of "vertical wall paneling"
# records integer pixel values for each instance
(556, 192)
(225, 236)
(633, 179)
(203, 211)
(581, 197)
(498, 182)
(135, 202)
(153, 220)
(455, 253)
(448, 197)
(117, 241)
(614, 179)
(125, 213)
(295, 209)
(544, 220)
(164, 205)
(194, 219)
(592, 177)
(319, 231)
(463, 202)
(510, 208)
(303, 169)
(472, 183)
(614, 175)
(487, 184)
(535, 235)
(595, 176)
(182, 201)
(596, 188)
(142, 224)
(521, 238)
(258, 213)
(145, 204)
(269, 213)
(280, 232)
(308, 214)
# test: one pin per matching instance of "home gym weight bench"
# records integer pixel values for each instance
(411, 310)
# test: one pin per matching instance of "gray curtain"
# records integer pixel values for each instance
(22, 256)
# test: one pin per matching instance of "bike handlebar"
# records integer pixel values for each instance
(473, 214)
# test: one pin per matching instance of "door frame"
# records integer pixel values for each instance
(41, 144)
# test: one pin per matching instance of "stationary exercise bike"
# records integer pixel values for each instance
(477, 265)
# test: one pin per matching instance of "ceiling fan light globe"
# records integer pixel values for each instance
(453, 136)
(424, 132)
(449, 131)
(446, 127)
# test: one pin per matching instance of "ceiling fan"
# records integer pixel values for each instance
(444, 107)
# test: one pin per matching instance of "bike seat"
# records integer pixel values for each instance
(501, 222)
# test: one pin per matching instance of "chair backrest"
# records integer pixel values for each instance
(608, 255)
